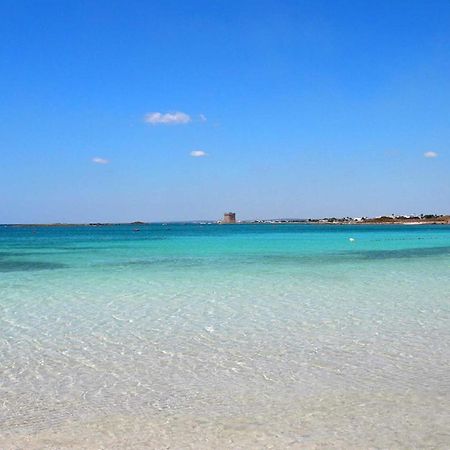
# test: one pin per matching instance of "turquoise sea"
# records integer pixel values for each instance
(225, 336)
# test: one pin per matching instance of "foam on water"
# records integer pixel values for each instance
(225, 336)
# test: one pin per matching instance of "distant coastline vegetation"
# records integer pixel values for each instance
(427, 219)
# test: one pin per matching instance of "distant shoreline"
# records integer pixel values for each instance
(436, 220)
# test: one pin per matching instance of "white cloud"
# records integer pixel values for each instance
(202, 118)
(98, 160)
(198, 154)
(431, 154)
(170, 118)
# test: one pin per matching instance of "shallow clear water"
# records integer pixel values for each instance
(240, 336)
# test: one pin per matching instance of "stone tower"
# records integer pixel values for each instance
(229, 217)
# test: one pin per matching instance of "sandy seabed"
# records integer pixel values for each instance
(335, 422)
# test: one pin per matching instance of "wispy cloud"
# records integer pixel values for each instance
(98, 160)
(431, 154)
(202, 118)
(170, 118)
(198, 153)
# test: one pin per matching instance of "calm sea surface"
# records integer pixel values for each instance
(239, 336)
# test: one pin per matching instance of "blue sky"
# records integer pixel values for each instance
(293, 109)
